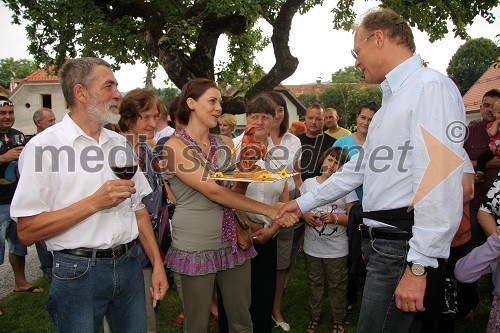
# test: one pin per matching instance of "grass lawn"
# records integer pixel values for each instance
(27, 313)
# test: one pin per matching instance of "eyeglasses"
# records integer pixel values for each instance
(156, 117)
(355, 53)
(260, 117)
(6, 102)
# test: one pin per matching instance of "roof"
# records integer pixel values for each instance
(311, 88)
(319, 87)
(489, 80)
(40, 75)
(301, 110)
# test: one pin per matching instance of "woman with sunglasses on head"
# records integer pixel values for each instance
(325, 245)
(204, 245)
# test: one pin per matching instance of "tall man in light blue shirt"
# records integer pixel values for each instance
(411, 159)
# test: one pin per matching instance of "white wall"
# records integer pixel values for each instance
(473, 116)
(30, 93)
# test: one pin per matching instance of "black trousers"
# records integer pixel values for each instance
(483, 159)
(428, 321)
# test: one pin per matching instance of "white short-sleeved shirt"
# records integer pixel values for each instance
(330, 240)
(166, 132)
(268, 193)
(286, 154)
(63, 165)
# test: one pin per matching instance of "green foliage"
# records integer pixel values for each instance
(432, 15)
(349, 74)
(347, 98)
(471, 61)
(242, 70)
(15, 69)
(182, 35)
(168, 94)
(307, 99)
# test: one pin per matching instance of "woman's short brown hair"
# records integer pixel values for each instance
(192, 89)
(133, 103)
(262, 103)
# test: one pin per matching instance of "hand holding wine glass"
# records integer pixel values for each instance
(124, 164)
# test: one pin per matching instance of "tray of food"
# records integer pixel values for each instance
(261, 176)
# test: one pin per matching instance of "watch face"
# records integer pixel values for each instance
(418, 269)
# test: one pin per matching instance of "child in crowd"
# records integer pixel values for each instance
(326, 246)
(493, 129)
(482, 260)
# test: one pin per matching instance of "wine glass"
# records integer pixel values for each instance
(18, 140)
(124, 163)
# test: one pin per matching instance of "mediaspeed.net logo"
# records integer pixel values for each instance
(442, 163)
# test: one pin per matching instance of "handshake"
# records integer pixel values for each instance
(286, 215)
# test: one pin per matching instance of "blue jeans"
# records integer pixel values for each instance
(45, 258)
(385, 262)
(8, 232)
(84, 290)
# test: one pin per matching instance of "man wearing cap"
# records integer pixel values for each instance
(9, 154)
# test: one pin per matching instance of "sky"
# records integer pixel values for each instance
(320, 49)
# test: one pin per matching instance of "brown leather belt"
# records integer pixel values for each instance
(101, 253)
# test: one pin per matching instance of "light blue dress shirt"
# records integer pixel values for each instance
(395, 158)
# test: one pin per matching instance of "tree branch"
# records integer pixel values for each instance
(286, 63)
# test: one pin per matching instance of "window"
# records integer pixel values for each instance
(47, 101)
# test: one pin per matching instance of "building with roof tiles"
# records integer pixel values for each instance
(37, 90)
(474, 96)
(296, 109)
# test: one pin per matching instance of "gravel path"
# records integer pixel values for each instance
(32, 271)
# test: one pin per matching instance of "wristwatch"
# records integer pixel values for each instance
(417, 268)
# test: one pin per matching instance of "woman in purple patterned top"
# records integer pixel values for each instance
(204, 246)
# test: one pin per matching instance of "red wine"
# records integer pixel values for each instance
(126, 172)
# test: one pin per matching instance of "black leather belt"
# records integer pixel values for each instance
(383, 233)
(101, 253)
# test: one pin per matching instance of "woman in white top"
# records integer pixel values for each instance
(285, 148)
(260, 113)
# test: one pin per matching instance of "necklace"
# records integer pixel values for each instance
(198, 141)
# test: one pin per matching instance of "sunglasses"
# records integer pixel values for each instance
(5, 102)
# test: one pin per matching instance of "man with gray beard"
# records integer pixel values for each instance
(69, 196)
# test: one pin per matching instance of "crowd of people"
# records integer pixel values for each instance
(117, 200)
